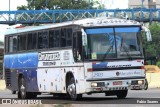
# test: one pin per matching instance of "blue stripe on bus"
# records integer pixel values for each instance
(25, 64)
(99, 30)
(100, 65)
(16, 61)
(110, 30)
(130, 29)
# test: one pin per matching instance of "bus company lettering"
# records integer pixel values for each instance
(117, 66)
(129, 73)
(49, 56)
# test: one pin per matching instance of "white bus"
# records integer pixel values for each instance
(94, 55)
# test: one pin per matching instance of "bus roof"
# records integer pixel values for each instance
(88, 22)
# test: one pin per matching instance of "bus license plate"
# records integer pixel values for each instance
(117, 83)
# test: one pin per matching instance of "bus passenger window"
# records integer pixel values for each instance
(69, 37)
(13, 44)
(57, 38)
(6, 44)
(22, 42)
(63, 37)
(32, 41)
(43, 40)
(29, 41)
(79, 44)
(51, 39)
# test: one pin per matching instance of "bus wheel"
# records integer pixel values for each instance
(122, 94)
(22, 89)
(72, 90)
(32, 95)
(146, 85)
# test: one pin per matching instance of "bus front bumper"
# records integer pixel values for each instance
(97, 86)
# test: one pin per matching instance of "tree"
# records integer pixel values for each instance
(152, 48)
(56, 4)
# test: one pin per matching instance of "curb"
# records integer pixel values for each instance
(153, 80)
(2, 85)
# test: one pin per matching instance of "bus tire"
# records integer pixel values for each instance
(22, 93)
(122, 94)
(32, 95)
(72, 90)
(146, 85)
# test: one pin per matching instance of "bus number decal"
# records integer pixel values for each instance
(97, 74)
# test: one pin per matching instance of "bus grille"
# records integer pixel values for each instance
(8, 77)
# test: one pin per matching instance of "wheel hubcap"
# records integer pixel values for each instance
(72, 89)
(22, 90)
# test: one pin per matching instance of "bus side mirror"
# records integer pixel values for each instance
(147, 33)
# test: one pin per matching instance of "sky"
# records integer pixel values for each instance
(4, 6)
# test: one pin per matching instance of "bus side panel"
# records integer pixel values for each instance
(49, 73)
(25, 64)
(77, 68)
(49, 80)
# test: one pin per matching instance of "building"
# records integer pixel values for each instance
(144, 4)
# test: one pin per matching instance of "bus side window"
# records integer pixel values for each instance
(13, 44)
(29, 41)
(63, 37)
(32, 41)
(69, 36)
(57, 38)
(22, 42)
(6, 44)
(43, 40)
(77, 45)
(74, 45)
(51, 39)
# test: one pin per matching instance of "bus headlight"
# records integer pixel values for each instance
(140, 82)
(93, 84)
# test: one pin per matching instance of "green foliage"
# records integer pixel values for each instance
(158, 64)
(23, 7)
(152, 48)
(56, 4)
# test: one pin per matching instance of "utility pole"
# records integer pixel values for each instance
(9, 10)
(46, 3)
(88, 4)
(9, 5)
(142, 3)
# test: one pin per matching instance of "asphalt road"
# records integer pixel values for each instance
(150, 96)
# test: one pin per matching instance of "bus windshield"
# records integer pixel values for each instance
(113, 43)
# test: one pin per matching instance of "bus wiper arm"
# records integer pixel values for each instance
(107, 52)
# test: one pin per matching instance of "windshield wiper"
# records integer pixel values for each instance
(107, 52)
(126, 50)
